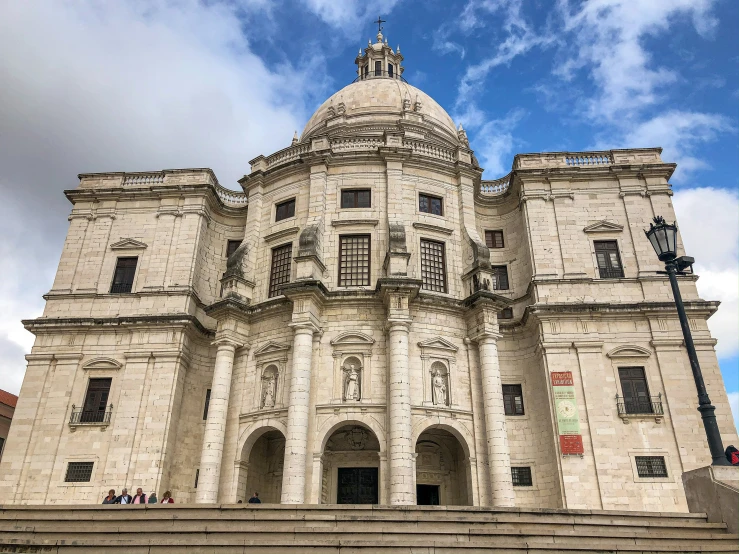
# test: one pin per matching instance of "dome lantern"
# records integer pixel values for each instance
(378, 60)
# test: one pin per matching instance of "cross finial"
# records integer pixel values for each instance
(379, 24)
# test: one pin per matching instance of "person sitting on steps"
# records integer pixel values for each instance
(255, 499)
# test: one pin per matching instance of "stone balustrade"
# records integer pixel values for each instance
(138, 179)
(596, 159)
(496, 187)
(231, 198)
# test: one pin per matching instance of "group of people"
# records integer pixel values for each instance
(139, 498)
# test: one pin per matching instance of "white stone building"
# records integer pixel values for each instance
(368, 322)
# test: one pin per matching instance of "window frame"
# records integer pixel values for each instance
(514, 412)
(287, 202)
(96, 415)
(429, 198)
(355, 196)
(651, 457)
(634, 401)
(368, 236)
(530, 481)
(206, 404)
(273, 288)
(78, 464)
(508, 313)
(492, 234)
(504, 267)
(443, 265)
(229, 244)
(124, 284)
(603, 273)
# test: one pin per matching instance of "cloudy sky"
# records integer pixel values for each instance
(141, 85)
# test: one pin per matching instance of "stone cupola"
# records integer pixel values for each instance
(379, 61)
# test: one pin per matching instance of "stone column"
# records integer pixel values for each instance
(401, 451)
(499, 457)
(215, 425)
(296, 442)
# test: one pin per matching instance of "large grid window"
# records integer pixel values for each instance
(355, 198)
(125, 270)
(78, 472)
(500, 277)
(433, 270)
(280, 272)
(430, 204)
(284, 210)
(513, 399)
(521, 477)
(651, 466)
(609, 261)
(354, 260)
(494, 239)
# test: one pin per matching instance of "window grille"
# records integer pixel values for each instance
(609, 260)
(357, 198)
(280, 272)
(500, 277)
(78, 472)
(513, 399)
(207, 404)
(285, 210)
(125, 270)
(651, 466)
(231, 247)
(354, 260)
(433, 270)
(430, 204)
(494, 239)
(521, 477)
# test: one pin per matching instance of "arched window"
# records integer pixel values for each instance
(390, 69)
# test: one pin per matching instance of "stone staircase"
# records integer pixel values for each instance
(273, 529)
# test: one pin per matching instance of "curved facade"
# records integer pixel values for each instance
(368, 322)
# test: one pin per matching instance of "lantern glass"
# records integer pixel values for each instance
(663, 238)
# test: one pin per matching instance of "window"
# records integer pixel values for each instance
(78, 472)
(197, 477)
(125, 269)
(231, 247)
(2, 445)
(635, 390)
(207, 404)
(354, 260)
(506, 313)
(521, 477)
(366, 69)
(651, 466)
(280, 272)
(390, 69)
(96, 401)
(513, 400)
(433, 270)
(378, 69)
(285, 210)
(500, 277)
(430, 204)
(609, 262)
(357, 198)
(494, 239)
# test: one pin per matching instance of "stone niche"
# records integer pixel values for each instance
(438, 365)
(271, 362)
(352, 354)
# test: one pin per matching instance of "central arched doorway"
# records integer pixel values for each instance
(264, 473)
(351, 467)
(442, 470)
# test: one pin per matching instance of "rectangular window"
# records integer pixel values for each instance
(366, 69)
(521, 477)
(356, 198)
(430, 204)
(378, 69)
(494, 239)
(78, 472)
(433, 265)
(513, 400)
(354, 260)
(635, 390)
(2, 445)
(500, 277)
(96, 401)
(207, 404)
(506, 313)
(651, 466)
(197, 477)
(609, 261)
(390, 69)
(125, 270)
(280, 272)
(231, 247)
(285, 210)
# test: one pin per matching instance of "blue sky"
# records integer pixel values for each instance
(148, 85)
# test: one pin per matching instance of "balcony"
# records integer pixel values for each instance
(80, 416)
(650, 407)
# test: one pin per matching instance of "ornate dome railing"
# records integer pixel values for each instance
(379, 75)
(495, 187)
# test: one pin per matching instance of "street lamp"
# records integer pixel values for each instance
(663, 237)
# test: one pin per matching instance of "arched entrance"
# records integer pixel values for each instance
(442, 470)
(264, 473)
(351, 467)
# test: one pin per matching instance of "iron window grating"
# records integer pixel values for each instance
(280, 271)
(494, 239)
(609, 259)
(500, 277)
(78, 472)
(354, 260)
(430, 204)
(433, 265)
(356, 198)
(521, 477)
(125, 270)
(285, 209)
(513, 400)
(651, 466)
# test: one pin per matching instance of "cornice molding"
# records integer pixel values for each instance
(433, 228)
(283, 233)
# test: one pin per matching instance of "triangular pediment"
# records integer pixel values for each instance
(439, 344)
(127, 243)
(604, 226)
(629, 351)
(102, 363)
(272, 348)
(352, 337)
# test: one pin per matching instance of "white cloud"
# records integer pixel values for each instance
(709, 227)
(495, 142)
(734, 403)
(349, 15)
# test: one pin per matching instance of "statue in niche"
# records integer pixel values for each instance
(269, 389)
(352, 381)
(439, 387)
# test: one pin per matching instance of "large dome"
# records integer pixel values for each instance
(380, 101)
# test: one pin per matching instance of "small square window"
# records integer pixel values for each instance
(125, 270)
(513, 400)
(78, 472)
(231, 247)
(521, 477)
(651, 466)
(494, 239)
(356, 198)
(430, 204)
(284, 210)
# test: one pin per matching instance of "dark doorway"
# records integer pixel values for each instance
(357, 485)
(427, 495)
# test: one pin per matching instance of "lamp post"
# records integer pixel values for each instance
(663, 237)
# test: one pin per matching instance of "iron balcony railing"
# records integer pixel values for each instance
(644, 406)
(372, 74)
(80, 416)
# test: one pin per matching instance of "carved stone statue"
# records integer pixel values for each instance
(351, 387)
(439, 388)
(269, 384)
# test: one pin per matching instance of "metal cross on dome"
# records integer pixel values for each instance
(379, 24)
